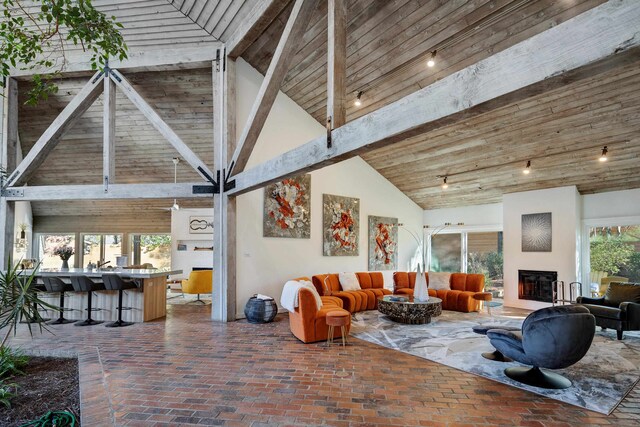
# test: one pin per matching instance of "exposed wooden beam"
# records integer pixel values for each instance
(337, 63)
(593, 42)
(224, 208)
(96, 192)
(260, 17)
(50, 138)
(9, 149)
(138, 61)
(291, 36)
(160, 125)
(109, 134)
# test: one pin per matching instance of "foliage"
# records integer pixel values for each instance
(151, 242)
(31, 38)
(490, 264)
(632, 269)
(19, 300)
(6, 393)
(610, 255)
(12, 362)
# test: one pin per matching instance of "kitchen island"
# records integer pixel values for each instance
(147, 302)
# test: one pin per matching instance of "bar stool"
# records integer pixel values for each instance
(114, 282)
(84, 284)
(56, 285)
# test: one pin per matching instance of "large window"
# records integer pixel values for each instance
(48, 243)
(484, 256)
(101, 248)
(153, 249)
(615, 251)
(446, 250)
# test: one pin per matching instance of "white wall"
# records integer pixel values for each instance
(612, 204)
(478, 215)
(265, 264)
(187, 260)
(564, 205)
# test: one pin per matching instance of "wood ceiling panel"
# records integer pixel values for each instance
(562, 132)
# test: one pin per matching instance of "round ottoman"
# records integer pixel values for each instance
(339, 318)
(484, 297)
(496, 355)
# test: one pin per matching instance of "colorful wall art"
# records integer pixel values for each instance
(536, 232)
(383, 243)
(341, 225)
(287, 208)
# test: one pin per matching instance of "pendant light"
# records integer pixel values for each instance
(176, 160)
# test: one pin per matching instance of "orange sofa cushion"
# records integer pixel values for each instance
(371, 284)
(308, 323)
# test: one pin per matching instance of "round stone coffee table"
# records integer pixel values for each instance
(404, 309)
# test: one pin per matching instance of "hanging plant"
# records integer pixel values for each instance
(33, 35)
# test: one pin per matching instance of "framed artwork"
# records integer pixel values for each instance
(383, 243)
(287, 208)
(340, 225)
(201, 225)
(182, 247)
(536, 232)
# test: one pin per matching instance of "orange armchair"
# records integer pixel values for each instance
(199, 282)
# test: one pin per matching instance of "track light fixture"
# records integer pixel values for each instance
(358, 101)
(527, 169)
(603, 156)
(444, 184)
(432, 60)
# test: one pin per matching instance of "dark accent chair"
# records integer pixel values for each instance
(84, 284)
(114, 282)
(553, 338)
(618, 309)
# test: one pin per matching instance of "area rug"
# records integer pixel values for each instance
(600, 380)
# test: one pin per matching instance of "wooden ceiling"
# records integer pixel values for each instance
(561, 132)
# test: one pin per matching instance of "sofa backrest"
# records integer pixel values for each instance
(457, 281)
(327, 283)
(619, 292)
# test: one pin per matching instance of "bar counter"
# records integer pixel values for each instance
(147, 302)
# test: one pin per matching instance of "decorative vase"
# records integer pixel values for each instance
(420, 292)
(65, 264)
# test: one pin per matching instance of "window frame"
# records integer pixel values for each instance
(102, 244)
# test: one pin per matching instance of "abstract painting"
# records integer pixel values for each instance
(341, 225)
(536, 232)
(383, 243)
(200, 225)
(287, 208)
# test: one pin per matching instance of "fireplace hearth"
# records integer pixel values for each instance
(536, 285)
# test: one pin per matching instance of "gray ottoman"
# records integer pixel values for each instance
(496, 355)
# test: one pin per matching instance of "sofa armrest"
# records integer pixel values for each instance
(587, 300)
(631, 312)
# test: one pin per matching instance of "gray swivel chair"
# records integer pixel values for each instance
(114, 282)
(84, 284)
(553, 338)
(56, 285)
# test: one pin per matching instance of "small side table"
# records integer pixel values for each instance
(485, 298)
(338, 318)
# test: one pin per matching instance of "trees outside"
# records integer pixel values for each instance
(616, 250)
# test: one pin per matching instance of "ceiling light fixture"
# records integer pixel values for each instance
(176, 160)
(432, 60)
(527, 169)
(444, 184)
(358, 102)
(603, 156)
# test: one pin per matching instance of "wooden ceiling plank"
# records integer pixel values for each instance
(270, 86)
(589, 39)
(50, 138)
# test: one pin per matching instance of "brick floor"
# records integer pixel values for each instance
(188, 370)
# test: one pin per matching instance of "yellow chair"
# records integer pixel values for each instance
(596, 278)
(199, 282)
(604, 282)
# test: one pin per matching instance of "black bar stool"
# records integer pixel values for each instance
(114, 282)
(84, 284)
(56, 285)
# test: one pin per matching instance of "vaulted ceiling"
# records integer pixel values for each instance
(561, 132)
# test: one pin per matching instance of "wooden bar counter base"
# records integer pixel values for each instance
(147, 302)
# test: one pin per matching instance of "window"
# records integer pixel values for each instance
(615, 251)
(48, 243)
(101, 248)
(484, 256)
(446, 252)
(154, 249)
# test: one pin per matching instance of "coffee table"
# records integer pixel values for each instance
(407, 310)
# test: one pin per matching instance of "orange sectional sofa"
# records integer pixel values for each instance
(371, 284)
(458, 298)
(307, 322)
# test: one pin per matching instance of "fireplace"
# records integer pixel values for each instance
(536, 285)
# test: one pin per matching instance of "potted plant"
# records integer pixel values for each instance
(23, 230)
(64, 252)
